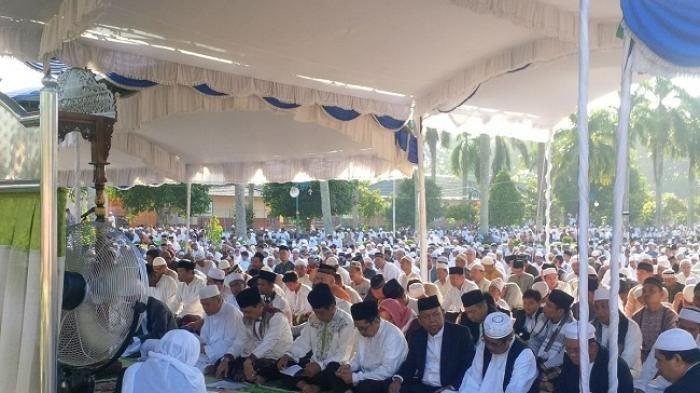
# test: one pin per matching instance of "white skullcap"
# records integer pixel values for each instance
(266, 268)
(224, 264)
(602, 293)
(498, 325)
(416, 290)
(233, 277)
(498, 283)
(675, 340)
(301, 262)
(541, 287)
(663, 262)
(691, 314)
(487, 260)
(209, 291)
(332, 261)
(571, 330)
(442, 260)
(548, 271)
(688, 293)
(591, 271)
(476, 265)
(158, 261)
(539, 254)
(216, 274)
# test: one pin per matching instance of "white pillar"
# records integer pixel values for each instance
(618, 206)
(583, 189)
(189, 207)
(548, 190)
(48, 330)
(77, 208)
(393, 207)
(422, 214)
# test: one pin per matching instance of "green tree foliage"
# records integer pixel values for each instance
(371, 203)
(506, 206)
(164, 200)
(674, 211)
(462, 213)
(406, 202)
(214, 230)
(503, 157)
(276, 197)
(464, 160)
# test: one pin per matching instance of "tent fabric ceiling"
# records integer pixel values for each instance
(371, 56)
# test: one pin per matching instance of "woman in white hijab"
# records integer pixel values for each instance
(170, 368)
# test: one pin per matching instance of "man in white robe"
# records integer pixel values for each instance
(328, 336)
(388, 270)
(166, 286)
(189, 308)
(272, 297)
(460, 285)
(380, 351)
(222, 324)
(296, 294)
(500, 376)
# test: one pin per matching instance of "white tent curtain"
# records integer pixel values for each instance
(20, 291)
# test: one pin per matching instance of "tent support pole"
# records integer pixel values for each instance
(548, 190)
(583, 189)
(393, 207)
(77, 183)
(189, 207)
(422, 216)
(48, 103)
(618, 205)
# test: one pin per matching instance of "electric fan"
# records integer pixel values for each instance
(103, 301)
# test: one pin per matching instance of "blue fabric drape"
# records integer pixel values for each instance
(205, 89)
(670, 28)
(130, 83)
(280, 104)
(341, 114)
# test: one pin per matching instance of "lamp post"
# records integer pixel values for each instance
(294, 193)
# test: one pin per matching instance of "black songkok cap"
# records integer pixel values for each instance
(472, 297)
(364, 311)
(327, 269)
(646, 266)
(290, 277)
(377, 281)
(321, 296)
(185, 264)
(456, 270)
(267, 276)
(654, 281)
(248, 297)
(561, 299)
(428, 303)
(393, 290)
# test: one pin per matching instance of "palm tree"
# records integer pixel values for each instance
(502, 153)
(431, 139)
(686, 137)
(445, 140)
(241, 225)
(463, 160)
(652, 123)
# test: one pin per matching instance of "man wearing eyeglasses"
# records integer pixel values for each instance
(503, 363)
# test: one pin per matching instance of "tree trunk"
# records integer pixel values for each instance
(658, 159)
(355, 207)
(241, 226)
(433, 161)
(251, 197)
(326, 207)
(484, 160)
(465, 187)
(691, 189)
(540, 187)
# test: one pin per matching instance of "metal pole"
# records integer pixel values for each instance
(423, 218)
(296, 199)
(393, 206)
(77, 182)
(583, 189)
(189, 207)
(548, 190)
(618, 206)
(48, 331)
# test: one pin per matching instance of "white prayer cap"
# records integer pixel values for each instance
(301, 262)
(548, 271)
(595, 253)
(498, 325)
(477, 266)
(602, 293)
(224, 264)
(266, 268)
(689, 293)
(541, 287)
(487, 260)
(158, 261)
(442, 259)
(668, 273)
(233, 277)
(416, 290)
(663, 262)
(571, 330)
(691, 314)
(498, 283)
(216, 274)
(539, 254)
(442, 265)
(675, 340)
(209, 291)
(332, 261)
